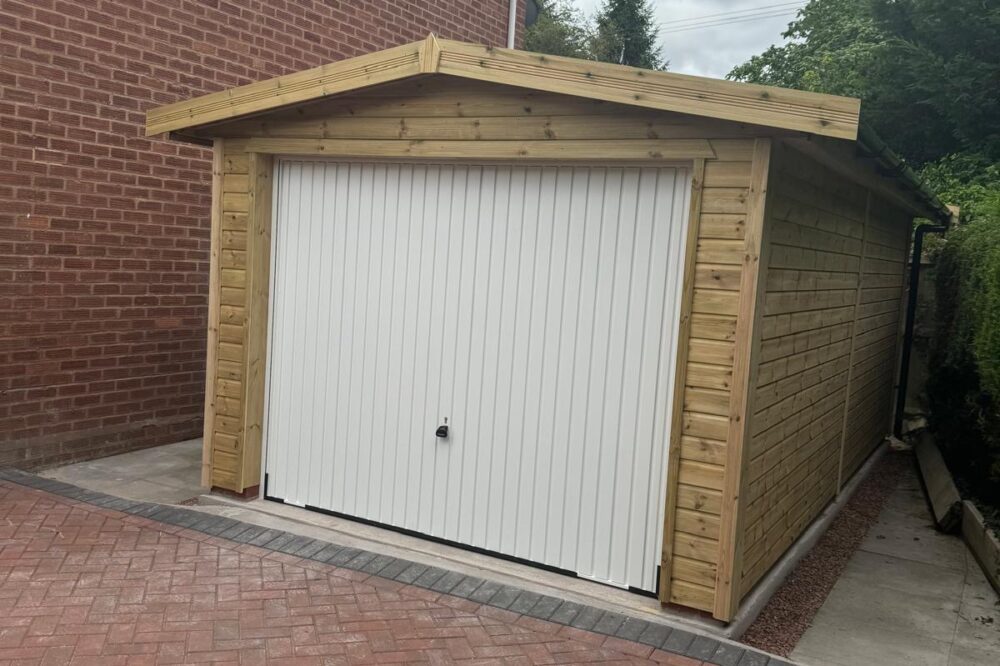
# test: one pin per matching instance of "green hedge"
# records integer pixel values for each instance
(964, 380)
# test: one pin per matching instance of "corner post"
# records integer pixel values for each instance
(211, 347)
(261, 168)
(727, 582)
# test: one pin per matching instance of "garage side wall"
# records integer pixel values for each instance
(833, 275)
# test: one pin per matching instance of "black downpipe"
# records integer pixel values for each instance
(911, 313)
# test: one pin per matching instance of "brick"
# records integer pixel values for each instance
(702, 647)
(727, 655)
(279, 620)
(117, 223)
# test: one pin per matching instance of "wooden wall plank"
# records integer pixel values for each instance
(832, 304)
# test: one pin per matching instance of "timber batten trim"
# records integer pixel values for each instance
(371, 69)
(776, 107)
(623, 150)
(815, 113)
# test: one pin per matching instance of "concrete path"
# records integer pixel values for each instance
(168, 474)
(88, 578)
(909, 596)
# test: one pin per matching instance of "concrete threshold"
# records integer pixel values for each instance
(290, 518)
(297, 520)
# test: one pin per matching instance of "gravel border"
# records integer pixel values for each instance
(791, 610)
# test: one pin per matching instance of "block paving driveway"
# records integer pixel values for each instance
(81, 584)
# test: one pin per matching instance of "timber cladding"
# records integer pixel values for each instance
(827, 349)
(789, 313)
(457, 117)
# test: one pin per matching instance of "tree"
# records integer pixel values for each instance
(831, 45)
(625, 34)
(927, 71)
(560, 30)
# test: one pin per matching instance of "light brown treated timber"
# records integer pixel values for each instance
(598, 149)
(213, 313)
(508, 122)
(351, 74)
(854, 335)
(729, 560)
(261, 174)
(680, 375)
(740, 102)
(429, 55)
(844, 160)
(775, 107)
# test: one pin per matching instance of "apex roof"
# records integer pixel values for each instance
(815, 113)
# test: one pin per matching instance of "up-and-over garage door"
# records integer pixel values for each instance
(532, 309)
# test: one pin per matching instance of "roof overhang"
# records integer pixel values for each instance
(822, 118)
(815, 113)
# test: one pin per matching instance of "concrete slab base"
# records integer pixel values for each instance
(909, 596)
(169, 474)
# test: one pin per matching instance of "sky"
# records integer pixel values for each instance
(713, 51)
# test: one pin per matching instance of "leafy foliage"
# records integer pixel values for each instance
(561, 29)
(964, 384)
(832, 45)
(928, 71)
(622, 32)
(625, 34)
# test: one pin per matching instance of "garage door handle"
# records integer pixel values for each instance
(442, 430)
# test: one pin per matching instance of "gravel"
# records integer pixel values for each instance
(790, 611)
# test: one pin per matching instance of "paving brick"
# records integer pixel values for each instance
(272, 591)
(310, 548)
(394, 568)
(586, 618)
(544, 607)
(631, 629)
(609, 623)
(702, 648)
(506, 596)
(447, 582)
(727, 655)
(654, 635)
(524, 602)
(484, 592)
(359, 561)
(429, 577)
(466, 587)
(292, 546)
(264, 536)
(565, 612)
(410, 573)
(678, 641)
(754, 658)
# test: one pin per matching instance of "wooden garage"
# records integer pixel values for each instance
(629, 325)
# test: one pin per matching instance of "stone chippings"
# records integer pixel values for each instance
(475, 589)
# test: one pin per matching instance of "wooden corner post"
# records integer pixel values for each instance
(750, 309)
(680, 377)
(211, 347)
(261, 185)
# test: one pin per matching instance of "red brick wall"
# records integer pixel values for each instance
(103, 232)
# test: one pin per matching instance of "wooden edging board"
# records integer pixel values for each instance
(983, 543)
(946, 503)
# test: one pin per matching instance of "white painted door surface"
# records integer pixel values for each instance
(533, 307)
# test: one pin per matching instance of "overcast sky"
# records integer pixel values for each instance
(713, 51)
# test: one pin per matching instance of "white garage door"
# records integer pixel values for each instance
(535, 308)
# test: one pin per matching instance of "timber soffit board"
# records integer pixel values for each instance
(825, 115)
